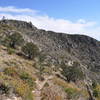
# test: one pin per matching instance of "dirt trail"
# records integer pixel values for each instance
(40, 85)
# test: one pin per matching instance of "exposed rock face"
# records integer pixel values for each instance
(60, 46)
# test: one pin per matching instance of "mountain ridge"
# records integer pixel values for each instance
(56, 46)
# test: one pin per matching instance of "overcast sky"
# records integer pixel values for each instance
(68, 16)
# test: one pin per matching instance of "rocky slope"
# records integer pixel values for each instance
(61, 46)
(58, 48)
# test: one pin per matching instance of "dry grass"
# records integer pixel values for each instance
(71, 89)
(64, 84)
(49, 94)
(11, 67)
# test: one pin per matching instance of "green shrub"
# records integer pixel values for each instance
(72, 93)
(96, 90)
(94, 84)
(10, 50)
(29, 96)
(30, 50)
(11, 71)
(72, 73)
(4, 89)
(14, 40)
(95, 93)
(46, 84)
(27, 78)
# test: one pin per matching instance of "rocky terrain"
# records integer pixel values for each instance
(57, 48)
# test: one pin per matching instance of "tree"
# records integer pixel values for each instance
(30, 50)
(15, 39)
(72, 73)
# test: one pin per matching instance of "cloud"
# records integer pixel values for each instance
(16, 10)
(81, 26)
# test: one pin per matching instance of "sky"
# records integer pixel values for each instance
(68, 16)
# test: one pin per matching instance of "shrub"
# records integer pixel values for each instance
(4, 89)
(94, 84)
(27, 78)
(30, 50)
(95, 93)
(22, 89)
(11, 71)
(96, 90)
(46, 84)
(10, 50)
(14, 40)
(72, 73)
(71, 92)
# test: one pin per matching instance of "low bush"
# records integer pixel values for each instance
(46, 84)
(22, 89)
(71, 92)
(27, 78)
(10, 50)
(96, 91)
(10, 71)
(94, 84)
(4, 89)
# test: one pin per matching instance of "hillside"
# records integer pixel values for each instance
(58, 48)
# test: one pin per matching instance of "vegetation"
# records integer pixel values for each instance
(22, 89)
(95, 93)
(21, 82)
(27, 78)
(4, 89)
(10, 50)
(14, 40)
(96, 90)
(30, 50)
(94, 84)
(46, 84)
(40, 64)
(19, 74)
(10, 71)
(50, 94)
(72, 73)
(71, 92)
(17, 86)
